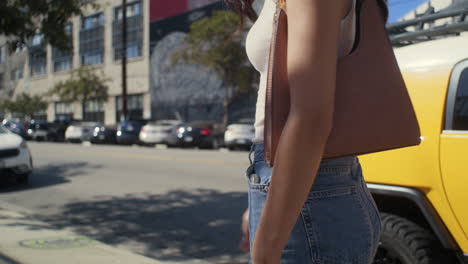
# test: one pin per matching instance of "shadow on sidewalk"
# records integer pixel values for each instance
(178, 225)
(7, 260)
(49, 175)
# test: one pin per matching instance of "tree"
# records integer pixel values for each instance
(25, 104)
(22, 19)
(211, 43)
(83, 85)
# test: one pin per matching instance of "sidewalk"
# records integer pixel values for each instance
(27, 241)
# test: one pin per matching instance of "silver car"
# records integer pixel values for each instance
(159, 132)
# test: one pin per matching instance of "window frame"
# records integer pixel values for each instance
(96, 53)
(33, 64)
(97, 14)
(116, 9)
(451, 97)
(117, 50)
(134, 101)
(97, 111)
(61, 58)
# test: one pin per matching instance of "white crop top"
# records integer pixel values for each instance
(258, 47)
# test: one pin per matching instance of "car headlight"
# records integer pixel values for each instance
(23, 144)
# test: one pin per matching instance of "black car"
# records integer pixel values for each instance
(201, 134)
(18, 127)
(128, 132)
(104, 135)
(43, 131)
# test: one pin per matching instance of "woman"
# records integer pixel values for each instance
(305, 209)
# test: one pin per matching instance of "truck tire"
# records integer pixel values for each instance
(404, 242)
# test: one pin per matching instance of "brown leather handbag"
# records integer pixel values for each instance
(372, 111)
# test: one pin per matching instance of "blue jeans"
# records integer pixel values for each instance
(339, 222)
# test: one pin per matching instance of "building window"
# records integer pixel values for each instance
(2, 54)
(16, 74)
(63, 59)
(460, 115)
(63, 111)
(134, 107)
(42, 116)
(134, 31)
(93, 21)
(133, 51)
(38, 40)
(93, 110)
(92, 58)
(38, 64)
(38, 56)
(92, 40)
(63, 65)
(133, 9)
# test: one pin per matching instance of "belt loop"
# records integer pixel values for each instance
(354, 168)
(251, 169)
(252, 148)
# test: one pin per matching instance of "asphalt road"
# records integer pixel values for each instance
(168, 204)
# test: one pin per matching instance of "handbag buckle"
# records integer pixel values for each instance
(281, 4)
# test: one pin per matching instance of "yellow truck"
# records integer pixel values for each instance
(422, 191)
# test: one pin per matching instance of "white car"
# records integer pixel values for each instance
(158, 132)
(15, 158)
(78, 132)
(239, 135)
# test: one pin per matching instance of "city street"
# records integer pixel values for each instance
(168, 204)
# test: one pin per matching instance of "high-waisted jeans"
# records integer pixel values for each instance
(339, 222)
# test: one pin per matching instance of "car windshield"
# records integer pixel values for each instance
(165, 123)
(130, 126)
(3, 130)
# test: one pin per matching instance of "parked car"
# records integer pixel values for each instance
(18, 127)
(202, 134)
(31, 129)
(421, 190)
(15, 158)
(60, 126)
(239, 135)
(158, 132)
(104, 135)
(43, 131)
(81, 131)
(128, 132)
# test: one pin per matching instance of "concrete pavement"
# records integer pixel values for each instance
(28, 241)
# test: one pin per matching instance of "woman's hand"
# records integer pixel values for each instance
(245, 241)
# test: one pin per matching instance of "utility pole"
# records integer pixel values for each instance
(124, 61)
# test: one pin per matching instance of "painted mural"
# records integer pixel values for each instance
(191, 92)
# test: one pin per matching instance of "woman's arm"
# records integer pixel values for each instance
(313, 35)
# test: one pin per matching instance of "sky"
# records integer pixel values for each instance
(399, 8)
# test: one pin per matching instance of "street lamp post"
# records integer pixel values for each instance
(124, 61)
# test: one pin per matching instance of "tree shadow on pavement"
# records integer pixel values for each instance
(176, 226)
(51, 174)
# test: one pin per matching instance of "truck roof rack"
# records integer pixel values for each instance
(423, 27)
